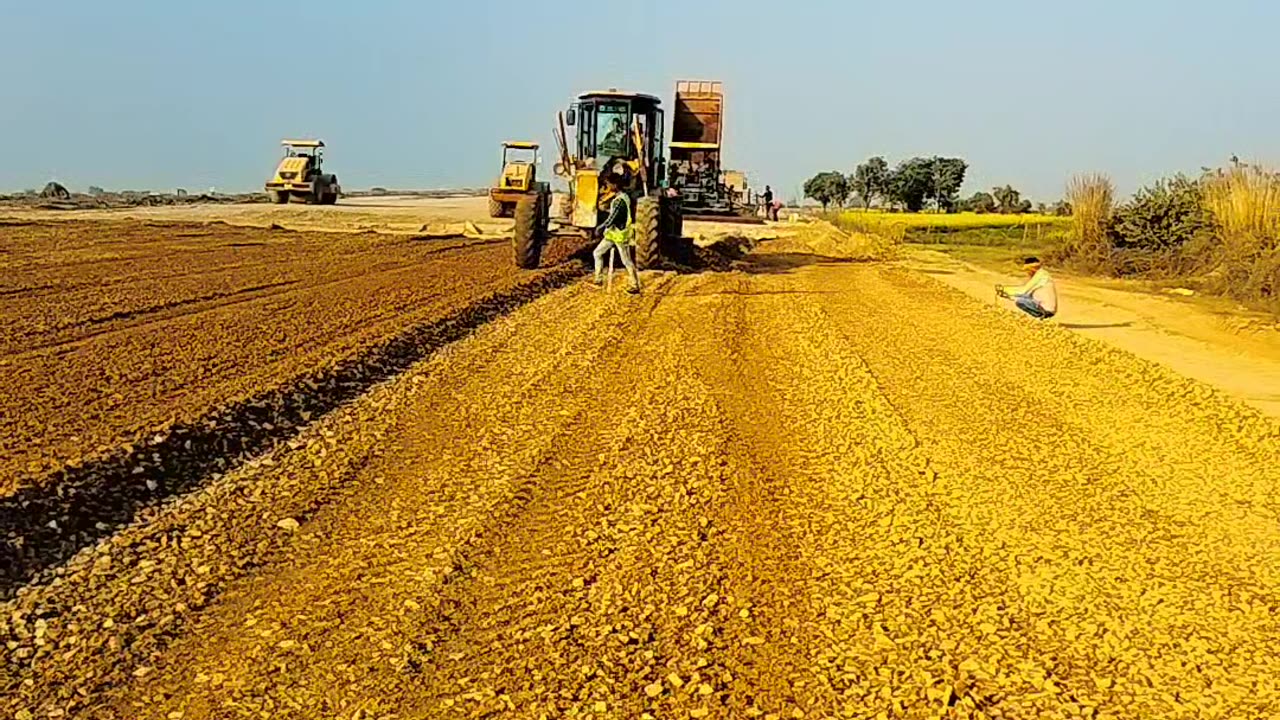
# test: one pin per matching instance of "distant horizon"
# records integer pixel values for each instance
(419, 95)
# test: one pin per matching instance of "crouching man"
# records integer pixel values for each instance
(1037, 297)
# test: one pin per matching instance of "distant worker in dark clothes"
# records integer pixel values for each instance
(616, 231)
(767, 196)
(1038, 296)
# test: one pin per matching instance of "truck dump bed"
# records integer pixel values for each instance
(697, 131)
(699, 112)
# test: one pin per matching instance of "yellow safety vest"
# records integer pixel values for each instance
(626, 235)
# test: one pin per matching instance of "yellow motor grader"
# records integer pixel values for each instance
(299, 177)
(613, 132)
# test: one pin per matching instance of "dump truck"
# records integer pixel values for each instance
(697, 134)
(619, 133)
(299, 177)
(519, 177)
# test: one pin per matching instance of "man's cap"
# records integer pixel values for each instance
(1033, 260)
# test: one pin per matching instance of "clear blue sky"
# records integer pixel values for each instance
(148, 94)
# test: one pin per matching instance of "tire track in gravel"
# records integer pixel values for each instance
(858, 554)
(452, 487)
(607, 596)
(446, 469)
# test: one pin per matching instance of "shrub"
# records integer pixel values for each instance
(1161, 217)
(1244, 200)
(1091, 198)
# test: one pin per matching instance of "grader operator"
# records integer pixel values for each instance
(613, 132)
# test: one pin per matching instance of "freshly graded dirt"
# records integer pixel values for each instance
(106, 328)
(139, 358)
(800, 489)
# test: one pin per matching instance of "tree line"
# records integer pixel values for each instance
(917, 184)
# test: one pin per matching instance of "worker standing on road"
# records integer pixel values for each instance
(616, 232)
(1038, 296)
(767, 196)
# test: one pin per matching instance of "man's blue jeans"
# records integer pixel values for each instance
(1032, 307)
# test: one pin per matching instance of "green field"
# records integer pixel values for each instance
(990, 240)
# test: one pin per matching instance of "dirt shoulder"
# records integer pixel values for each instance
(1233, 349)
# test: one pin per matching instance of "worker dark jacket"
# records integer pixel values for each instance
(617, 226)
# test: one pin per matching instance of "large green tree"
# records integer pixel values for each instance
(870, 180)
(911, 183)
(829, 188)
(948, 176)
(980, 202)
(1009, 201)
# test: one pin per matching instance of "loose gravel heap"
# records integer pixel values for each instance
(813, 490)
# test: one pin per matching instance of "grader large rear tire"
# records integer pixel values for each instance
(648, 233)
(529, 230)
(279, 198)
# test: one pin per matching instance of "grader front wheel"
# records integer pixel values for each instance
(648, 233)
(530, 230)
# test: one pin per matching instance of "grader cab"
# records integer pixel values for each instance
(618, 133)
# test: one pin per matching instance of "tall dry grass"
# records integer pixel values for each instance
(1092, 198)
(1245, 203)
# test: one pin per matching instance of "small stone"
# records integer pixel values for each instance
(288, 524)
(653, 689)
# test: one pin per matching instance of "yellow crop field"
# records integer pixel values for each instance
(872, 219)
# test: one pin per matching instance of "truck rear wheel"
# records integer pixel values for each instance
(530, 228)
(496, 208)
(648, 233)
(279, 198)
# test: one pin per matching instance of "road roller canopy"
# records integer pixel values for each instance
(520, 145)
(303, 143)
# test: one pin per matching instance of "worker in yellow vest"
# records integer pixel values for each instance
(616, 232)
